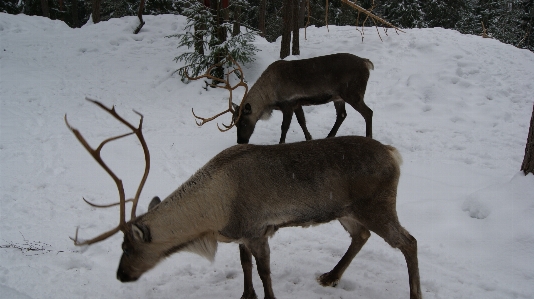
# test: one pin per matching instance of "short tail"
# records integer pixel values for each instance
(370, 66)
(395, 154)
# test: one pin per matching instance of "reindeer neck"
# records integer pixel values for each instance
(195, 209)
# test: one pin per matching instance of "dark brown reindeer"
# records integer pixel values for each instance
(247, 192)
(289, 85)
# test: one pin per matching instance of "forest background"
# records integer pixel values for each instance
(509, 21)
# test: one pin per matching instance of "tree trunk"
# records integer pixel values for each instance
(140, 16)
(220, 33)
(236, 30)
(287, 26)
(528, 161)
(302, 13)
(296, 46)
(199, 29)
(44, 7)
(75, 18)
(261, 17)
(96, 11)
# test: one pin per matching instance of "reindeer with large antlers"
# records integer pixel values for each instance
(247, 192)
(289, 85)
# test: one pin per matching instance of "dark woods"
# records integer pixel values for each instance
(510, 21)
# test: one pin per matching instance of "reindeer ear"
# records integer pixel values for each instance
(247, 109)
(141, 233)
(235, 106)
(153, 203)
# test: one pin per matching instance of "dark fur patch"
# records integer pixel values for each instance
(176, 248)
(317, 99)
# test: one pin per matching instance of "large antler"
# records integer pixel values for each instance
(95, 153)
(226, 86)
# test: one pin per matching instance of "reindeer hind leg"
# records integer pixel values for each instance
(341, 114)
(402, 239)
(398, 237)
(359, 235)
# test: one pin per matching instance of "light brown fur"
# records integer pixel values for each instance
(247, 192)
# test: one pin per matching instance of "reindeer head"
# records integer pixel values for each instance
(138, 254)
(244, 123)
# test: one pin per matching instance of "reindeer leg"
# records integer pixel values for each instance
(367, 114)
(299, 113)
(288, 115)
(260, 250)
(398, 237)
(341, 114)
(409, 249)
(401, 238)
(246, 264)
(359, 236)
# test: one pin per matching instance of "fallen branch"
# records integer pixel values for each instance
(373, 17)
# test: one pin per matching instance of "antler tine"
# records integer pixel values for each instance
(205, 120)
(241, 83)
(95, 153)
(96, 239)
(206, 75)
(105, 206)
(229, 88)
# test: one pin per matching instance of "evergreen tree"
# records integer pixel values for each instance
(10, 6)
(202, 35)
(469, 21)
(404, 13)
(443, 13)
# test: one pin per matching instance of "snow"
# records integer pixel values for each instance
(456, 106)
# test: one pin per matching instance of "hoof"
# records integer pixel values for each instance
(328, 280)
(249, 296)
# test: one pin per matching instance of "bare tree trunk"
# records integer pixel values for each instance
(44, 7)
(74, 10)
(302, 13)
(295, 16)
(96, 11)
(199, 45)
(286, 31)
(220, 33)
(261, 18)
(199, 30)
(236, 30)
(528, 161)
(140, 16)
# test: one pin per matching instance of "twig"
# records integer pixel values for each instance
(326, 16)
(30, 248)
(308, 22)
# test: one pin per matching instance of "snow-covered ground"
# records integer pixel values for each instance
(456, 106)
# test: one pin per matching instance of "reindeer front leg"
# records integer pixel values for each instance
(287, 111)
(260, 249)
(246, 264)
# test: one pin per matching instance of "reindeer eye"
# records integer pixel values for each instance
(125, 250)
